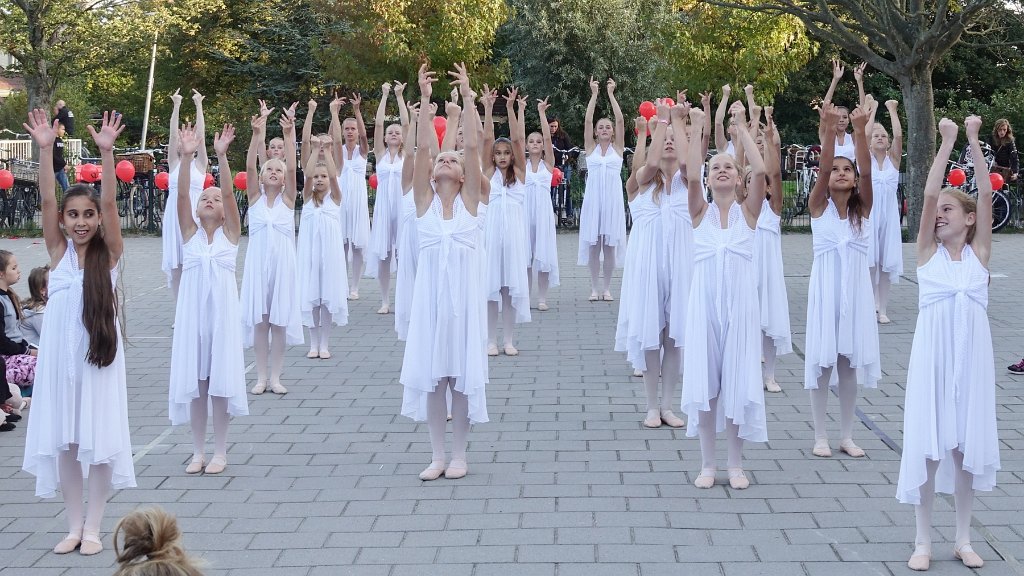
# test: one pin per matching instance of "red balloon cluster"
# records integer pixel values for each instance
(440, 127)
(557, 177)
(373, 181)
(242, 181)
(956, 177)
(208, 181)
(997, 180)
(162, 180)
(670, 102)
(647, 109)
(6, 179)
(125, 171)
(89, 173)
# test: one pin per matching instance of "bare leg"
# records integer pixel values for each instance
(595, 270)
(384, 279)
(277, 342)
(847, 391)
(437, 420)
(261, 347)
(819, 407)
(508, 320)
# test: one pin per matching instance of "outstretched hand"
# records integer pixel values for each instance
(176, 98)
(197, 97)
(837, 69)
(426, 79)
(223, 139)
(110, 129)
(43, 132)
(188, 141)
(948, 129)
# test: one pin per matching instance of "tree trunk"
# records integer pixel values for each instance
(920, 137)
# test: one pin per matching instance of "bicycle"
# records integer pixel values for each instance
(561, 195)
(19, 204)
(1002, 208)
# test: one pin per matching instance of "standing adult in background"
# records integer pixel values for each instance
(66, 117)
(59, 163)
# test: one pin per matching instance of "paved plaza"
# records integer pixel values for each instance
(563, 481)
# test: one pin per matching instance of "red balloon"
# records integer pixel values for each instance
(6, 179)
(162, 180)
(440, 127)
(242, 181)
(90, 173)
(125, 171)
(957, 177)
(997, 180)
(208, 181)
(670, 102)
(647, 109)
(556, 177)
(373, 181)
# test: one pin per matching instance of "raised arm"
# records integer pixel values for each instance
(337, 141)
(720, 142)
(754, 200)
(332, 172)
(188, 140)
(410, 138)
(307, 131)
(859, 119)
(516, 132)
(471, 187)
(232, 221)
(545, 132)
(487, 160)
(858, 76)
(453, 115)
(680, 112)
(620, 122)
(357, 111)
(252, 177)
(652, 164)
(694, 185)
(639, 156)
(755, 110)
(817, 200)
(982, 243)
(378, 123)
(926, 241)
(837, 73)
(423, 192)
(261, 149)
(202, 159)
(172, 135)
(288, 132)
(110, 129)
(896, 143)
(588, 119)
(773, 161)
(44, 133)
(705, 103)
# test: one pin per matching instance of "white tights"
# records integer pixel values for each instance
(963, 500)
(72, 484)
(881, 285)
(320, 331)
(269, 347)
(667, 367)
(706, 428)
(384, 279)
(508, 318)
(437, 416)
(358, 266)
(198, 414)
(847, 392)
(769, 353)
(595, 266)
(543, 281)
(175, 282)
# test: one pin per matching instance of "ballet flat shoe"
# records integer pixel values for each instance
(353, 295)
(772, 386)
(851, 449)
(90, 546)
(492, 349)
(511, 350)
(325, 354)
(313, 353)
(607, 297)
(543, 307)
(883, 319)
(196, 465)
(259, 388)
(432, 472)
(653, 419)
(638, 373)
(278, 388)
(920, 562)
(671, 420)
(384, 310)
(968, 556)
(821, 449)
(593, 297)
(69, 544)
(737, 479)
(217, 465)
(706, 478)
(456, 470)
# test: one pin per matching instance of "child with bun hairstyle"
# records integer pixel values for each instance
(151, 546)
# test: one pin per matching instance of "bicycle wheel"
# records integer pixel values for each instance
(139, 201)
(1000, 210)
(29, 204)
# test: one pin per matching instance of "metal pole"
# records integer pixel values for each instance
(149, 93)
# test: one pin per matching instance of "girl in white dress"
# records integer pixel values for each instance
(721, 384)
(603, 215)
(540, 213)
(507, 281)
(270, 287)
(79, 424)
(885, 220)
(843, 141)
(170, 233)
(389, 150)
(842, 335)
(207, 366)
(644, 309)
(950, 440)
(323, 283)
(350, 149)
(446, 347)
(776, 337)
(408, 240)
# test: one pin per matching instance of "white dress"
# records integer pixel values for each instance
(885, 219)
(722, 351)
(951, 397)
(771, 280)
(270, 284)
(646, 280)
(447, 337)
(355, 199)
(321, 262)
(386, 209)
(679, 241)
(73, 401)
(207, 342)
(408, 254)
(841, 302)
(507, 247)
(540, 216)
(170, 232)
(604, 212)
(845, 147)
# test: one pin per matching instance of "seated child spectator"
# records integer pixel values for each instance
(19, 356)
(32, 309)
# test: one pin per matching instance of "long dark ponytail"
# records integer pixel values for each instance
(99, 305)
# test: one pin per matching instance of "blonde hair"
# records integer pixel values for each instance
(318, 197)
(969, 205)
(741, 175)
(263, 169)
(152, 546)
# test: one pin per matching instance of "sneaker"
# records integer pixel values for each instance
(1017, 368)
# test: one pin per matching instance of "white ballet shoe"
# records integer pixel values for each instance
(278, 388)
(637, 373)
(511, 350)
(353, 295)
(607, 296)
(313, 353)
(384, 309)
(593, 297)
(325, 353)
(543, 307)
(771, 385)
(883, 319)
(492, 349)
(259, 388)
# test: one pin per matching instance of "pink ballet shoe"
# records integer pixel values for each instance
(217, 464)
(313, 353)
(821, 449)
(771, 385)
(968, 556)
(196, 465)
(278, 388)
(851, 449)
(706, 478)
(492, 349)
(653, 419)
(91, 545)
(69, 544)
(511, 350)
(432, 472)
(259, 388)
(457, 469)
(671, 420)
(921, 560)
(325, 354)
(737, 479)
(543, 307)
